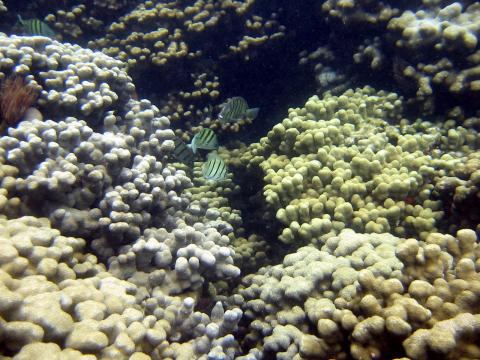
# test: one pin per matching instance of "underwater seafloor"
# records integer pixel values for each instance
(347, 224)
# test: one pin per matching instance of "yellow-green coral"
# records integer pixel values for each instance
(341, 161)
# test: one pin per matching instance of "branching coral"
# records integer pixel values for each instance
(15, 98)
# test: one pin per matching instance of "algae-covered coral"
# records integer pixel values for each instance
(345, 227)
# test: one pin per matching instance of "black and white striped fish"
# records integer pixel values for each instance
(236, 108)
(205, 139)
(36, 27)
(182, 152)
(214, 168)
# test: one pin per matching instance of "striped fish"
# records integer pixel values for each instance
(182, 152)
(36, 27)
(214, 168)
(236, 108)
(205, 139)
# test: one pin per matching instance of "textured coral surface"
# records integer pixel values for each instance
(347, 227)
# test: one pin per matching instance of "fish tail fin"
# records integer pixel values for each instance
(51, 32)
(20, 20)
(193, 146)
(252, 113)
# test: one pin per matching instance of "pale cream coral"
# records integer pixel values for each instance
(450, 27)
(377, 290)
(89, 311)
(359, 11)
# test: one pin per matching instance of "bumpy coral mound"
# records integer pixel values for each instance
(339, 162)
(451, 34)
(368, 296)
(57, 301)
(117, 187)
(449, 28)
(70, 80)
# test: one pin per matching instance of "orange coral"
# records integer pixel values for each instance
(15, 98)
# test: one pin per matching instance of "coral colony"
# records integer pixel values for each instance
(248, 180)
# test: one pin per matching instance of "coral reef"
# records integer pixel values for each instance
(446, 31)
(112, 187)
(428, 49)
(360, 12)
(53, 292)
(69, 79)
(3, 8)
(135, 209)
(389, 297)
(460, 192)
(173, 35)
(194, 45)
(339, 163)
(164, 32)
(328, 76)
(348, 231)
(75, 20)
(369, 52)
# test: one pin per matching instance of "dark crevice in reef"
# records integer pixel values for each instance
(267, 85)
(257, 218)
(251, 204)
(458, 213)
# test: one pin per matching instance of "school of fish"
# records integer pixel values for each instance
(214, 168)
